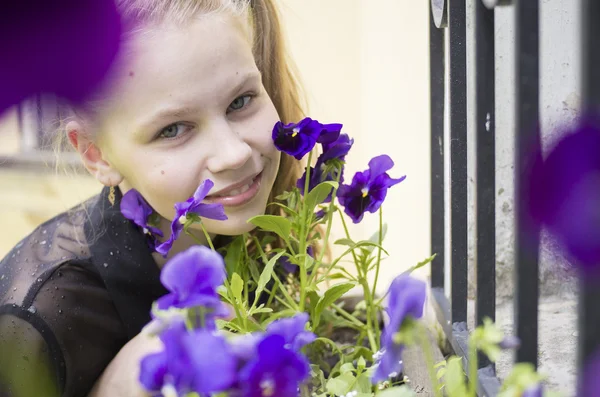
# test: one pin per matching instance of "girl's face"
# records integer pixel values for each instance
(191, 106)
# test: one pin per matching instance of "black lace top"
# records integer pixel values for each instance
(72, 293)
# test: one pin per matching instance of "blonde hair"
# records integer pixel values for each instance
(278, 72)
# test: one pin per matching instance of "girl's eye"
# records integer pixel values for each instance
(239, 103)
(172, 131)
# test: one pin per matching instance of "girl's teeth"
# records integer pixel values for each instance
(235, 192)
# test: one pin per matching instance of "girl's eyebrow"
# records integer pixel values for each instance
(181, 112)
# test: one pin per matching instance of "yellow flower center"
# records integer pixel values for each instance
(296, 131)
(182, 219)
(268, 388)
(365, 191)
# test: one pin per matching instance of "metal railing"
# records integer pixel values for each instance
(448, 34)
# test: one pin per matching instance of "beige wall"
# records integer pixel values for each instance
(364, 64)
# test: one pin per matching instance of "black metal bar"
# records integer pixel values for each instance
(458, 158)
(457, 334)
(437, 100)
(527, 145)
(589, 295)
(485, 304)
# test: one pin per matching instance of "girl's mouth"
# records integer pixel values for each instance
(238, 195)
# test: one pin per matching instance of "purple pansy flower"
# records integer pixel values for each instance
(337, 149)
(406, 299)
(135, 208)
(183, 365)
(368, 189)
(193, 205)
(292, 330)
(192, 277)
(85, 35)
(297, 139)
(565, 193)
(275, 370)
(288, 266)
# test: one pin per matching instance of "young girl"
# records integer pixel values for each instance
(194, 95)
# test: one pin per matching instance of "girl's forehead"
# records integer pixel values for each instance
(196, 62)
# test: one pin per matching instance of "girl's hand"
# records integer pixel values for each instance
(120, 378)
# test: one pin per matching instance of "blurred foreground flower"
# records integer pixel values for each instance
(565, 192)
(192, 277)
(192, 361)
(406, 301)
(64, 47)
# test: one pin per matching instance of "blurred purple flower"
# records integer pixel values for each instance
(63, 47)
(191, 361)
(533, 391)
(368, 189)
(589, 382)
(406, 299)
(292, 330)
(193, 205)
(565, 193)
(275, 370)
(288, 266)
(135, 208)
(192, 277)
(336, 150)
(297, 139)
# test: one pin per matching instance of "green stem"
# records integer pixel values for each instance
(313, 276)
(208, 239)
(371, 315)
(378, 265)
(303, 238)
(423, 336)
(348, 316)
(473, 364)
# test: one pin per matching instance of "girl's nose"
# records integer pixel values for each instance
(231, 151)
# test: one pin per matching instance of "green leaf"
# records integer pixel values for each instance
(455, 378)
(347, 367)
(420, 264)
(363, 384)
(318, 195)
(237, 286)
(401, 391)
(360, 244)
(265, 276)
(375, 237)
(273, 223)
(340, 385)
(234, 254)
(330, 296)
(361, 363)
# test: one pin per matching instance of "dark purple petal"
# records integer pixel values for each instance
(292, 330)
(337, 149)
(75, 41)
(368, 189)
(379, 165)
(211, 211)
(296, 139)
(565, 192)
(509, 342)
(275, 370)
(329, 133)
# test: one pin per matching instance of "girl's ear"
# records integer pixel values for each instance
(91, 155)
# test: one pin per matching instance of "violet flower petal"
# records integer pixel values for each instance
(292, 330)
